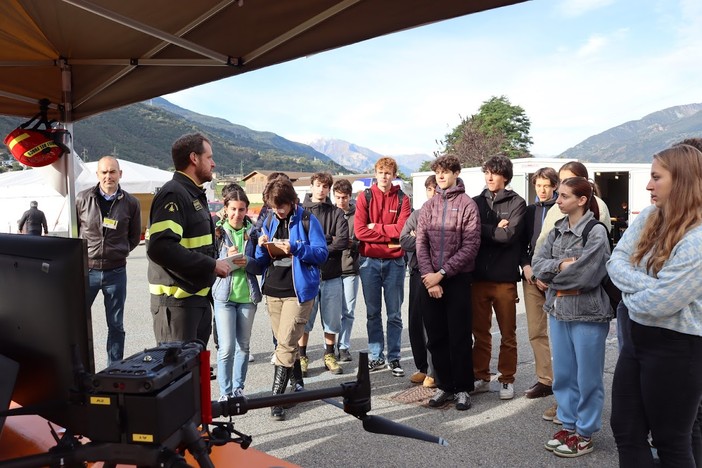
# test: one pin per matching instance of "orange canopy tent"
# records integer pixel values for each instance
(88, 57)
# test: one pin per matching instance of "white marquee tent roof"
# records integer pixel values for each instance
(19, 188)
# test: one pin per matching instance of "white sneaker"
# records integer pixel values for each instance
(273, 359)
(238, 393)
(251, 357)
(481, 386)
(223, 398)
(506, 391)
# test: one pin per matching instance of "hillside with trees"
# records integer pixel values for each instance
(144, 132)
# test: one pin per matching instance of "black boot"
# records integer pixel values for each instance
(296, 381)
(280, 381)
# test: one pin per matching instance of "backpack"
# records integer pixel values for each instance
(613, 292)
(305, 221)
(400, 196)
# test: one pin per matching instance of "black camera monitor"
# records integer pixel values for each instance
(45, 323)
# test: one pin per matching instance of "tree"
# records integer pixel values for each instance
(473, 147)
(498, 127)
(425, 166)
(498, 115)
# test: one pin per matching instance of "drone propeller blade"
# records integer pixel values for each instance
(380, 425)
(334, 403)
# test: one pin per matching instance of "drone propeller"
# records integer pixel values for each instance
(380, 425)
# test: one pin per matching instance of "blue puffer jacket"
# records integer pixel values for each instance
(308, 253)
(222, 287)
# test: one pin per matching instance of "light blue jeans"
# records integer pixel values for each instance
(328, 303)
(348, 308)
(578, 350)
(383, 278)
(113, 284)
(234, 323)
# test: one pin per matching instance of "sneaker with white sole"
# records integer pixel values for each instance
(575, 446)
(463, 401)
(396, 368)
(238, 393)
(224, 398)
(506, 391)
(481, 386)
(251, 358)
(559, 438)
(376, 364)
(440, 398)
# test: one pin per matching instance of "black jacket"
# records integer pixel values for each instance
(181, 246)
(336, 232)
(349, 258)
(533, 221)
(500, 248)
(108, 248)
(33, 220)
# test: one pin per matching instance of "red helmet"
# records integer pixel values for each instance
(35, 148)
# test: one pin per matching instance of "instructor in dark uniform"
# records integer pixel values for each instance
(181, 251)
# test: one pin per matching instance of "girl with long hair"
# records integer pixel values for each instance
(236, 295)
(572, 263)
(658, 267)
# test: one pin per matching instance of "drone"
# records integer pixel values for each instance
(152, 407)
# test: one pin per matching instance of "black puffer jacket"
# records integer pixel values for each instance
(500, 248)
(336, 232)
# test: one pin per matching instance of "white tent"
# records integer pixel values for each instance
(18, 189)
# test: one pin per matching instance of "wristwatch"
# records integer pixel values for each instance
(443, 272)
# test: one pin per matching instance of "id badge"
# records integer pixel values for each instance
(109, 223)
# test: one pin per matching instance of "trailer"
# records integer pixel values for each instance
(618, 182)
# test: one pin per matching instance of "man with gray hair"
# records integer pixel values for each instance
(33, 220)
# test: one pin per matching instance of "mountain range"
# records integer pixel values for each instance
(144, 133)
(638, 140)
(360, 159)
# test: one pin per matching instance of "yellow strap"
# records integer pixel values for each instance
(17, 139)
(195, 242)
(174, 291)
(167, 224)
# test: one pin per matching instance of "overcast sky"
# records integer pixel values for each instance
(577, 67)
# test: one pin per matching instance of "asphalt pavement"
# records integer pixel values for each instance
(493, 433)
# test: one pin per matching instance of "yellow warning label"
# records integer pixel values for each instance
(142, 438)
(100, 400)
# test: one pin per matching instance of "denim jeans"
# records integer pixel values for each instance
(383, 278)
(578, 368)
(234, 323)
(348, 308)
(327, 302)
(113, 284)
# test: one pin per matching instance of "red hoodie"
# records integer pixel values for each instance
(375, 243)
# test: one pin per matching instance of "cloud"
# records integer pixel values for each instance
(575, 8)
(593, 45)
(398, 94)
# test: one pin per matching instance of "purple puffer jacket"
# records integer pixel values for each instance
(448, 232)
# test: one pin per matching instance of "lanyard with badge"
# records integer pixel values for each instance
(107, 222)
